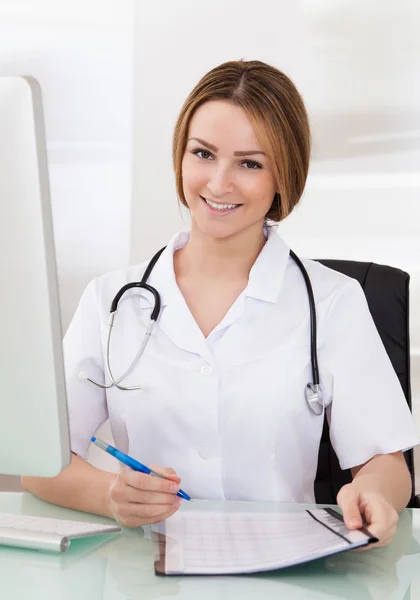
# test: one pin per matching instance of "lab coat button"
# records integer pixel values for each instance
(204, 453)
(206, 370)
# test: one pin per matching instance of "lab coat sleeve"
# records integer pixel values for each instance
(82, 348)
(368, 414)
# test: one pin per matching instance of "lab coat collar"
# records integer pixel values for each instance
(176, 321)
(267, 273)
(265, 278)
(162, 276)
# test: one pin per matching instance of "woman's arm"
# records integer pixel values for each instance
(129, 497)
(80, 486)
(381, 488)
(387, 474)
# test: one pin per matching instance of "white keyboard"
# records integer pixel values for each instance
(42, 533)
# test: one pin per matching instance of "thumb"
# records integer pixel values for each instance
(348, 501)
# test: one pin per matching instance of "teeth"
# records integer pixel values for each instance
(220, 206)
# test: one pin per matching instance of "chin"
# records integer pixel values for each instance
(218, 231)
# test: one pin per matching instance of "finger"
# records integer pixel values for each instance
(131, 494)
(348, 501)
(169, 513)
(383, 533)
(141, 481)
(166, 472)
(384, 541)
(134, 515)
(151, 511)
(163, 470)
(382, 520)
(378, 513)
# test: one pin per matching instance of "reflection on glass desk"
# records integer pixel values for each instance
(122, 567)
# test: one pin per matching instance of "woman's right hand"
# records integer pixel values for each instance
(138, 499)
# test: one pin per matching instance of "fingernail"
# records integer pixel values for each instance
(174, 488)
(354, 523)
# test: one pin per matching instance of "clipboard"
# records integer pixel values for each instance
(204, 542)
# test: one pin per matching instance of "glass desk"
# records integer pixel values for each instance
(122, 567)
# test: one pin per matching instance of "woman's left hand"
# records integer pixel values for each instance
(370, 509)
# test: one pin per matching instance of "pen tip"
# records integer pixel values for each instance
(93, 439)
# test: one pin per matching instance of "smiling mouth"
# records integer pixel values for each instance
(219, 206)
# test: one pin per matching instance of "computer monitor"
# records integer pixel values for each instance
(34, 435)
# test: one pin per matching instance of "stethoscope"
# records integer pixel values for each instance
(313, 391)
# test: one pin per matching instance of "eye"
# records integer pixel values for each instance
(252, 165)
(202, 153)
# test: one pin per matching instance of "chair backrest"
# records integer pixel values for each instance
(387, 294)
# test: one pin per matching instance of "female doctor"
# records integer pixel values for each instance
(219, 391)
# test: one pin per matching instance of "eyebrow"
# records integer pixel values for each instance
(237, 153)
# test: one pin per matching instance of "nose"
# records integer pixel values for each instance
(220, 182)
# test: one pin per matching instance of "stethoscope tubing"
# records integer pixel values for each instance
(313, 390)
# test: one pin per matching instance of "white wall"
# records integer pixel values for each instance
(82, 55)
(356, 64)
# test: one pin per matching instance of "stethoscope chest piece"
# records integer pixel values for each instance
(314, 398)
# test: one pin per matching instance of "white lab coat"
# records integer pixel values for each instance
(228, 413)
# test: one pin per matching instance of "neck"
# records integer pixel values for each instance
(221, 259)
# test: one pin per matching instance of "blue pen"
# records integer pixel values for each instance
(132, 463)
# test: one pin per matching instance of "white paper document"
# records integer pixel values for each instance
(206, 542)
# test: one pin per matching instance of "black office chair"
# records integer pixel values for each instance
(387, 294)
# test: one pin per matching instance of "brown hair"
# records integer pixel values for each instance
(277, 113)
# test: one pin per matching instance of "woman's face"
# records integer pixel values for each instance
(227, 181)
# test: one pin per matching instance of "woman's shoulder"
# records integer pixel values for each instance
(117, 278)
(110, 282)
(328, 283)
